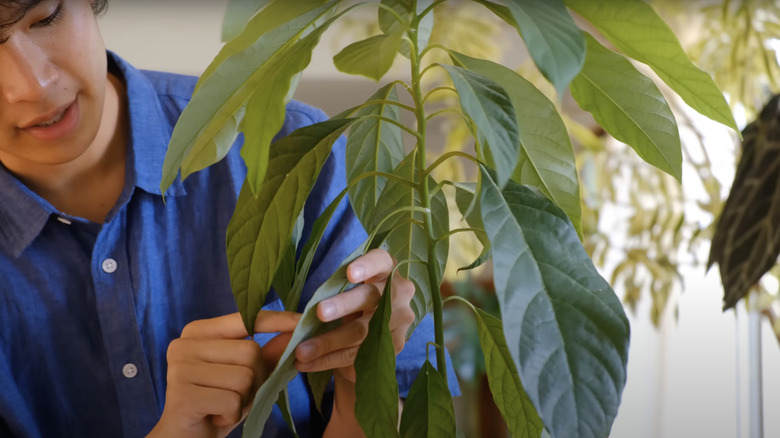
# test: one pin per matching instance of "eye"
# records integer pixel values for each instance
(51, 19)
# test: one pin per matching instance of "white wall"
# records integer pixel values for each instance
(681, 378)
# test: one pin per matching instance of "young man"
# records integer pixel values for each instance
(116, 316)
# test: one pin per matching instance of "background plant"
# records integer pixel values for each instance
(557, 359)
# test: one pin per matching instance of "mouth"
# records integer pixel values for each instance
(56, 124)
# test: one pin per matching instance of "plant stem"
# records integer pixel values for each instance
(425, 199)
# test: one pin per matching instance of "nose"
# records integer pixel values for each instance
(26, 72)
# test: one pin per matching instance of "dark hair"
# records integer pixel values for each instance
(12, 11)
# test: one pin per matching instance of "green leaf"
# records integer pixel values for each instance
(501, 12)
(371, 57)
(376, 386)
(272, 17)
(285, 370)
(637, 30)
(208, 125)
(428, 410)
(508, 393)
(565, 328)
(629, 106)
(546, 158)
(260, 229)
(285, 274)
(373, 145)
(284, 406)
(237, 15)
(486, 103)
(553, 40)
(484, 256)
(318, 382)
(266, 107)
(407, 238)
(389, 24)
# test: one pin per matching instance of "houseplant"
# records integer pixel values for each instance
(557, 360)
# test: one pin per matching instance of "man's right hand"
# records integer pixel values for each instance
(214, 372)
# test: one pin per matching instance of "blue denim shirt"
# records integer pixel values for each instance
(87, 310)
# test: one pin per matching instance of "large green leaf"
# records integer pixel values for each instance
(486, 104)
(285, 274)
(428, 410)
(266, 107)
(254, 27)
(260, 230)
(285, 371)
(373, 145)
(508, 393)
(207, 127)
(546, 158)
(629, 106)
(376, 386)
(371, 57)
(565, 328)
(237, 15)
(407, 238)
(284, 406)
(553, 40)
(637, 30)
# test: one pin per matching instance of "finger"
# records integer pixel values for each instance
(374, 265)
(273, 349)
(336, 359)
(232, 326)
(218, 351)
(244, 381)
(348, 335)
(402, 315)
(225, 408)
(360, 298)
(399, 340)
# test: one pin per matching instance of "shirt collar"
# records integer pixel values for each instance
(23, 214)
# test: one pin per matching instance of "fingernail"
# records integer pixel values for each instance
(328, 310)
(357, 272)
(306, 350)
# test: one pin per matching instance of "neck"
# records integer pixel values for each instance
(90, 185)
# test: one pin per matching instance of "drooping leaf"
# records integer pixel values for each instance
(260, 229)
(553, 40)
(266, 107)
(565, 329)
(428, 409)
(237, 15)
(285, 368)
(637, 30)
(207, 126)
(508, 392)
(407, 239)
(486, 103)
(483, 257)
(285, 274)
(284, 406)
(376, 386)
(373, 145)
(546, 158)
(318, 382)
(629, 106)
(746, 241)
(371, 57)
(272, 17)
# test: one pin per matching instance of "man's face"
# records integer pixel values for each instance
(52, 84)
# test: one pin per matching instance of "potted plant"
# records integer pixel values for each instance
(557, 358)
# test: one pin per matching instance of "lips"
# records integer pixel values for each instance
(55, 125)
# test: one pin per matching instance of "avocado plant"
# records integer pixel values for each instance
(556, 360)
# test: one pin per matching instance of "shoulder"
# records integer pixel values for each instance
(174, 91)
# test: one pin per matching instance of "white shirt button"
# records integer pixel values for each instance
(109, 266)
(129, 370)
